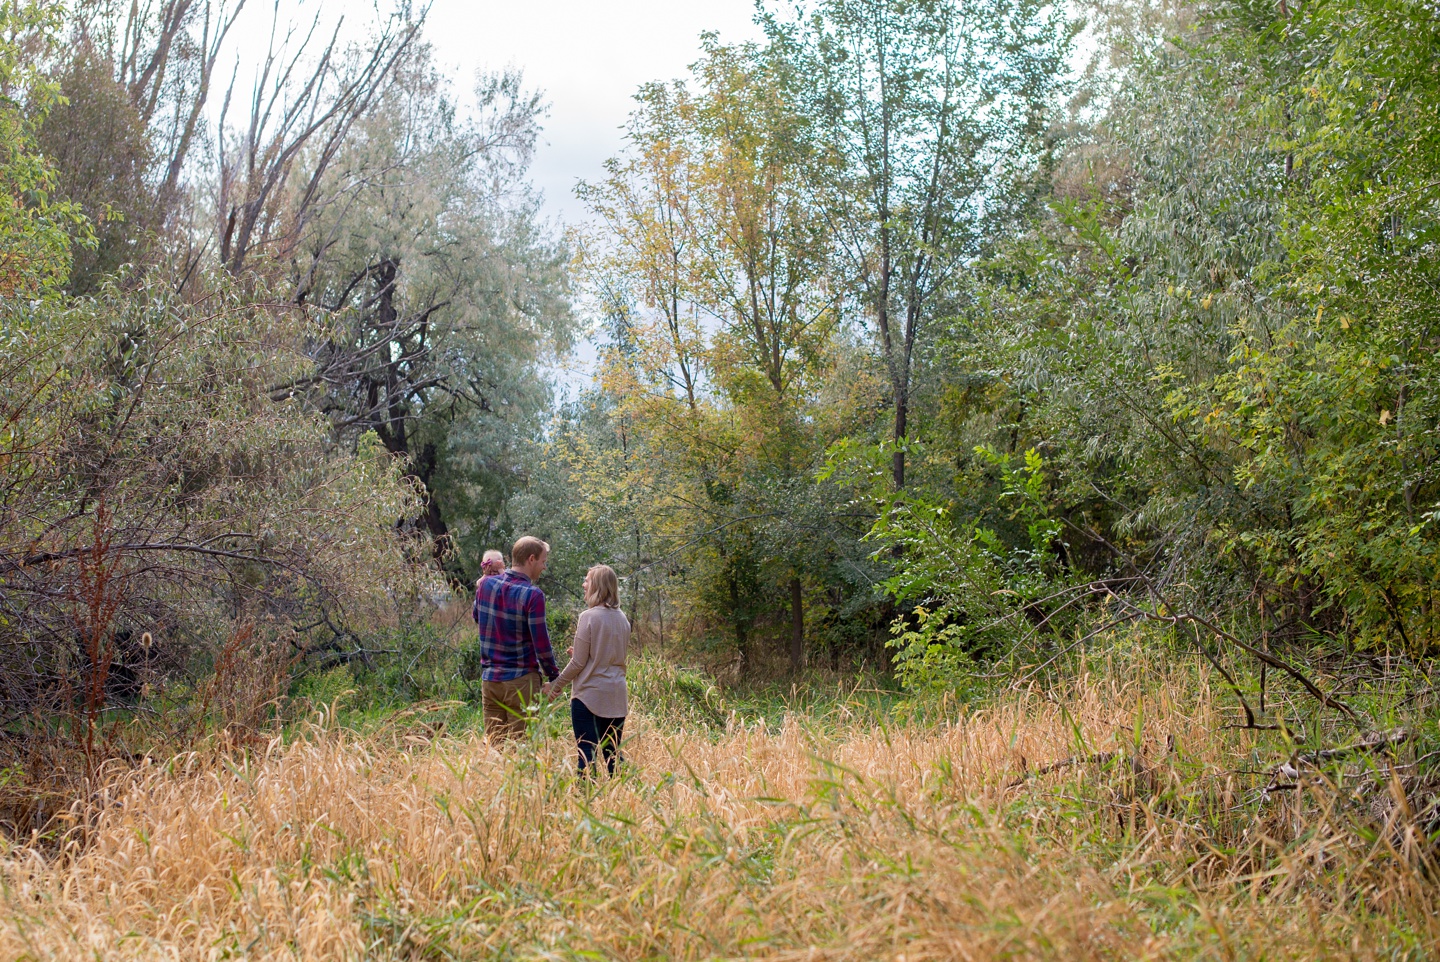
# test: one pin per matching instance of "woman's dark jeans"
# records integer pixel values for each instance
(591, 732)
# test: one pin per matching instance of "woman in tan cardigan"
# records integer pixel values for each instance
(599, 701)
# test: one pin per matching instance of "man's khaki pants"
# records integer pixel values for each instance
(503, 705)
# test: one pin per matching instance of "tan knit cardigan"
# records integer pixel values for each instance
(597, 662)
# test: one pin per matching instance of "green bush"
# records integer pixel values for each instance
(329, 689)
(675, 697)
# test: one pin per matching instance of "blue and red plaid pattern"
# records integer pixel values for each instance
(514, 641)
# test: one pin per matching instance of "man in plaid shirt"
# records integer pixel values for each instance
(514, 642)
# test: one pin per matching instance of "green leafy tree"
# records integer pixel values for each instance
(437, 290)
(721, 373)
(37, 228)
(1336, 408)
(1213, 329)
(933, 117)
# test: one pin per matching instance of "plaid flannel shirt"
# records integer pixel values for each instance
(514, 641)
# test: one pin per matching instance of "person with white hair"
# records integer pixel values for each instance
(491, 563)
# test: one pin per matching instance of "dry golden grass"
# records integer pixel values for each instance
(793, 844)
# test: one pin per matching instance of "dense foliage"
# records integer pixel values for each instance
(1147, 340)
(1217, 333)
(925, 345)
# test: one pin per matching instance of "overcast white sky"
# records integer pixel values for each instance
(588, 58)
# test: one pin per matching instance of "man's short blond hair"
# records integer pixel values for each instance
(525, 549)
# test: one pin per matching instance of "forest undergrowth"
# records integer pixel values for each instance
(1117, 816)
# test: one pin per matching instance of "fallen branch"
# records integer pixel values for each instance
(1099, 758)
(1263, 656)
(1290, 770)
(1176, 617)
(1375, 741)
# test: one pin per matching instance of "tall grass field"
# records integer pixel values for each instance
(1120, 819)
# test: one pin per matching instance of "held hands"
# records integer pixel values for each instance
(550, 689)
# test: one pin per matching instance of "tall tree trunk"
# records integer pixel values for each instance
(897, 460)
(742, 633)
(797, 627)
(423, 469)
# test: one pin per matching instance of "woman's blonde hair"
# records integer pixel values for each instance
(604, 587)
